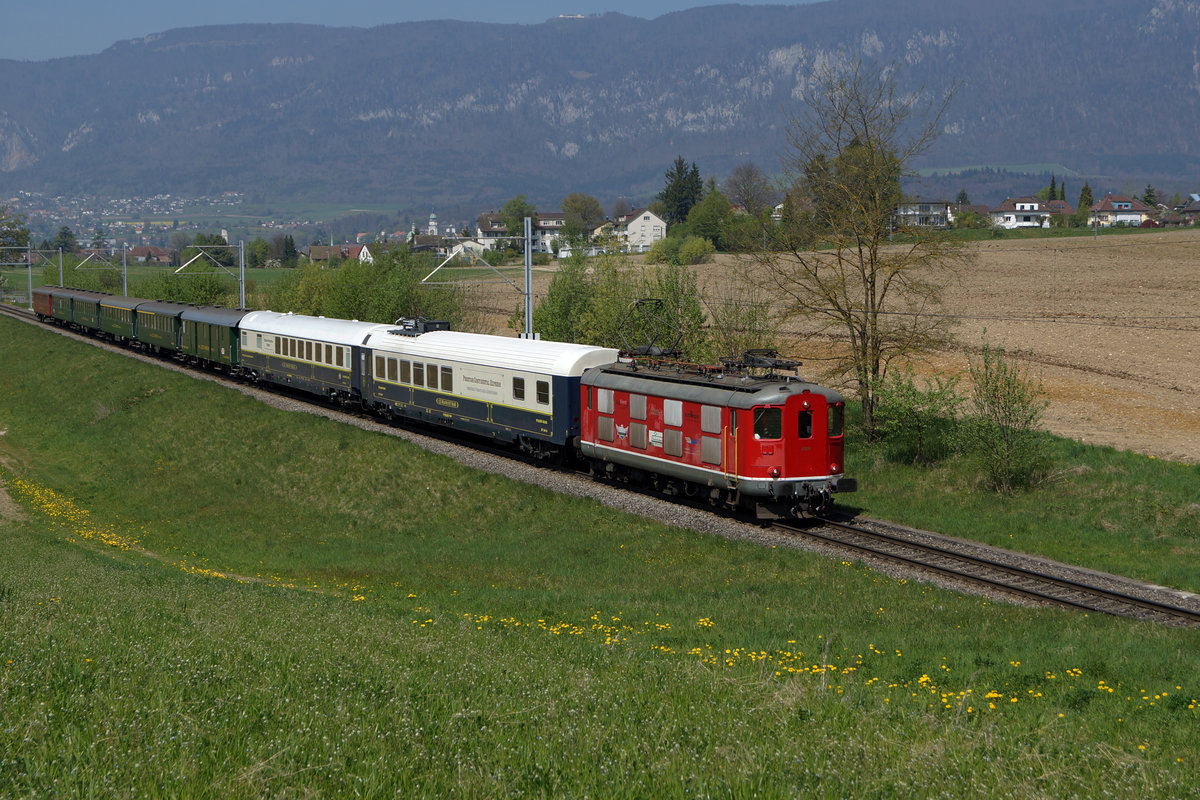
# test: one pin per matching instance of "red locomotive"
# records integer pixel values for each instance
(770, 442)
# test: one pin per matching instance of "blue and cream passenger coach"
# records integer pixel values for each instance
(513, 390)
(313, 354)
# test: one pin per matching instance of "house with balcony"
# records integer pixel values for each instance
(1117, 209)
(919, 213)
(1021, 212)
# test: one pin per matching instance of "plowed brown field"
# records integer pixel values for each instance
(1112, 325)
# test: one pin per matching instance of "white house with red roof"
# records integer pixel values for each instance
(1021, 212)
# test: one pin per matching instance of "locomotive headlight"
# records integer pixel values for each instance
(774, 472)
(806, 404)
(834, 468)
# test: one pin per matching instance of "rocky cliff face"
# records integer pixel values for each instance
(432, 112)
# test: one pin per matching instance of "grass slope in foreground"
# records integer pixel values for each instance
(203, 596)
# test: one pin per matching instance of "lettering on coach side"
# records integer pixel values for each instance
(447, 402)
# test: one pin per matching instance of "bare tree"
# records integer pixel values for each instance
(839, 258)
(749, 188)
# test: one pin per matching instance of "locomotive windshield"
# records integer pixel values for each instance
(836, 419)
(768, 423)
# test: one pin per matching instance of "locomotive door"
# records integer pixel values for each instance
(729, 465)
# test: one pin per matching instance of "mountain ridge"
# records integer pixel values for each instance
(437, 112)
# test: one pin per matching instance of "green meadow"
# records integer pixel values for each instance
(202, 596)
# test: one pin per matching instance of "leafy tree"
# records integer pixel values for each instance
(283, 249)
(694, 250)
(1085, 197)
(99, 238)
(583, 215)
(834, 261)
(13, 231)
(1002, 430)
(258, 252)
(620, 208)
(683, 190)
(594, 301)
(709, 219)
(178, 243)
(915, 422)
(383, 291)
(65, 240)
(208, 252)
(559, 314)
(514, 213)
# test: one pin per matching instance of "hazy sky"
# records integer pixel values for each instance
(37, 30)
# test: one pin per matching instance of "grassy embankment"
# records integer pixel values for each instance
(203, 596)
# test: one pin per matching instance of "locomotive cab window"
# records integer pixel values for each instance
(768, 423)
(604, 401)
(804, 429)
(836, 420)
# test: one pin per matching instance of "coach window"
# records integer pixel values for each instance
(836, 420)
(543, 392)
(380, 370)
(258, 341)
(405, 371)
(245, 338)
(329, 354)
(308, 354)
(518, 388)
(278, 346)
(447, 379)
(768, 423)
(805, 427)
(418, 374)
(431, 375)
(392, 370)
(338, 352)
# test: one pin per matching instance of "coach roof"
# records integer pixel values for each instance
(333, 331)
(528, 355)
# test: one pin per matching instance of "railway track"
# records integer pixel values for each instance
(989, 571)
(999, 572)
(19, 312)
